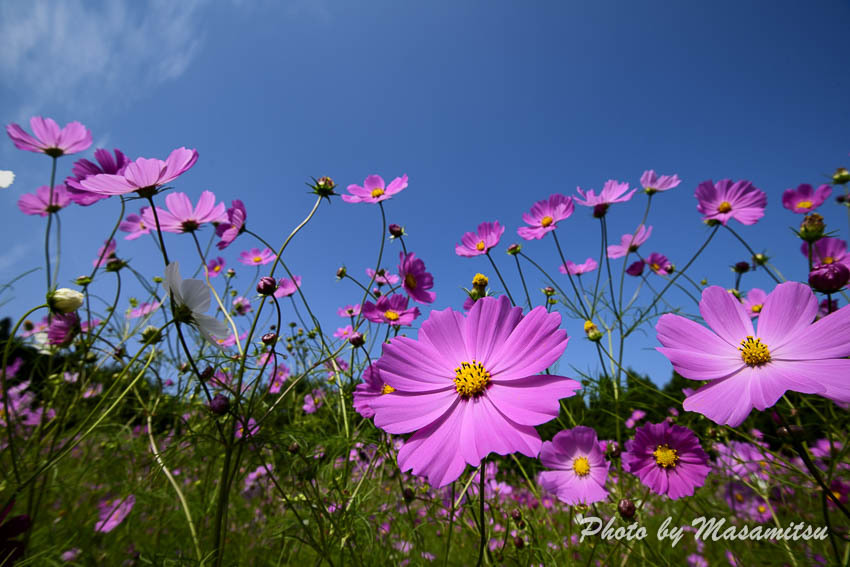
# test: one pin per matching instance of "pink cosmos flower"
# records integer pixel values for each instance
(241, 305)
(144, 175)
(754, 302)
(480, 242)
(105, 254)
(374, 190)
(727, 200)
(749, 370)
(612, 192)
(414, 279)
(659, 264)
(629, 242)
(371, 387)
(246, 429)
(279, 379)
(136, 225)
(470, 386)
(215, 266)
(287, 287)
(579, 469)
(344, 332)
(144, 309)
(257, 257)
(827, 251)
(313, 401)
(41, 203)
(804, 199)
(83, 169)
(636, 416)
(545, 215)
(112, 513)
(667, 458)
(652, 183)
(349, 311)
(578, 269)
(49, 138)
(62, 329)
(390, 309)
(233, 226)
(382, 276)
(182, 217)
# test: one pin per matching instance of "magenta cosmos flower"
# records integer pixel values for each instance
(480, 242)
(545, 215)
(659, 264)
(348, 311)
(143, 175)
(135, 225)
(105, 254)
(371, 387)
(182, 217)
(727, 200)
(49, 138)
(83, 169)
(42, 203)
(578, 269)
(382, 276)
(805, 198)
(754, 302)
(653, 183)
(233, 226)
(215, 267)
(579, 469)
(287, 287)
(827, 251)
(374, 190)
(630, 242)
(612, 192)
(471, 386)
(414, 279)
(390, 309)
(667, 458)
(749, 370)
(113, 512)
(257, 257)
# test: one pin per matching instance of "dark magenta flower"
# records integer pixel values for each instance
(374, 190)
(257, 257)
(390, 309)
(83, 169)
(579, 469)
(667, 458)
(629, 242)
(233, 226)
(545, 215)
(113, 512)
(135, 225)
(144, 175)
(652, 183)
(182, 217)
(636, 268)
(49, 138)
(727, 200)
(241, 305)
(612, 192)
(287, 287)
(63, 328)
(578, 269)
(11, 549)
(829, 278)
(414, 279)
(805, 198)
(215, 267)
(827, 251)
(659, 264)
(480, 242)
(42, 203)
(371, 387)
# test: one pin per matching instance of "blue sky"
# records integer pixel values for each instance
(487, 106)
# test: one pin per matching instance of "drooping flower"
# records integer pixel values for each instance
(113, 512)
(371, 387)
(749, 370)
(754, 302)
(374, 190)
(727, 200)
(181, 217)
(105, 254)
(667, 458)
(480, 242)
(135, 225)
(191, 302)
(636, 268)
(630, 242)
(470, 386)
(233, 226)
(652, 183)
(83, 169)
(390, 309)
(287, 287)
(805, 198)
(62, 329)
(6, 178)
(659, 264)
(578, 467)
(545, 215)
(612, 192)
(49, 138)
(257, 257)
(42, 203)
(827, 251)
(415, 280)
(144, 175)
(578, 269)
(215, 266)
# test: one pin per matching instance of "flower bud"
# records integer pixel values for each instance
(340, 273)
(516, 515)
(219, 404)
(626, 508)
(514, 249)
(636, 268)
(65, 300)
(83, 280)
(548, 291)
(323, 186)
(230, 273)
(357, 340)
(151, 335)
(519, 542)
(266, 285)
(734, 292)
(790, 432)
(613, 449)
(741, 267)
(812, 227)
(841, 176)
(760, 259)
(841, 199)
(829, 278)
(269, 338)
(408, 494)
(207, 373)
(396, 231)
(592, 331)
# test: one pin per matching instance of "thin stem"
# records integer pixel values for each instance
(501, 279)
(483, 524)
(752, 252)
(50, 214)
(572, 283)
(522, 279)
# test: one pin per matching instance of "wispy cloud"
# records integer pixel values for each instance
(84, 55)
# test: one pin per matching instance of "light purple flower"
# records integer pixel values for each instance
(313, 401)
(144, 175)
(652, 183)
(382, 276)
(105, 254)
(344, 332)
(49, 138)
(349, 311)
(136, 225)
(83, 169)
(374, 190)
(545, 215)
(246, 429)
(480, 242)
(371, 387)
(578, 269)
(257, 257)
(233, 226)
(279, 379)
(287, 287)
(636, 416)
(804, 199)
(41, 202)
(215, 266)
(727, 200)
(182, 217)
(578, 467)
(415, 280)
(390, 309)
(754, 301)
(143, 309)
(112, 513)
(612, 192)
(629, 242)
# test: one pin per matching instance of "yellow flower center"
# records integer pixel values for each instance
(581, 466)
(757, 308)
(837, 495)
(471, 378)
(804, 205)
(387, 389)
(762, 509)
(480, 280)
(739, 497)
(390, 315)
(410, 281)
(665, 457)
(217, 268)
(480, 246)
(257, 259)
(754, 352)
(377, 192)
(654, 267)
(724, 207)
(546, 221)
(828, 260)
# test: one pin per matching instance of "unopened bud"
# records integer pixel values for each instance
(592, 331)
(519, 542)
(219, 404)
(294, 448)
(741, 267)
(207, 373)
(151, 335)
(357, 340)
(269, 338)
(266, 285)
(812, 227)
(396, 231)
(760, 259)
(841, 176)
(83, 280)
(829, 278)
(340, 273)
(548, 291)
(65, 300)
(626, 508)
(514, 249)
(408, 494)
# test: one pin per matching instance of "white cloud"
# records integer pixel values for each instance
(84, 54)
(13, 255)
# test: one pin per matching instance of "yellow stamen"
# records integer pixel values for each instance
(480, 280)
(258, 259)
(480, 246)
(804, 205)
(754, 352)
(410, 281)
(762, 509)
(390, 315)
(655, 267)
(377, 193)
(471, 378)
(739, 497)
(217, 268)
(387, 389)
(581, 466)
(724, 207)
(828, 260)
(546, 221)
(757, 308)
(665, 457)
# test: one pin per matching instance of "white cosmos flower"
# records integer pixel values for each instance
(6, 178)
(194, 295)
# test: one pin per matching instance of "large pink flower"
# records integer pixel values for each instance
(545, 215)
(471, 386)
(143, 175)
(49, 138)
(182, 217)
(749, 370)
(374, 190)
(727, 200)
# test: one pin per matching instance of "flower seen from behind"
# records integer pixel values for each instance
(49, 139)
